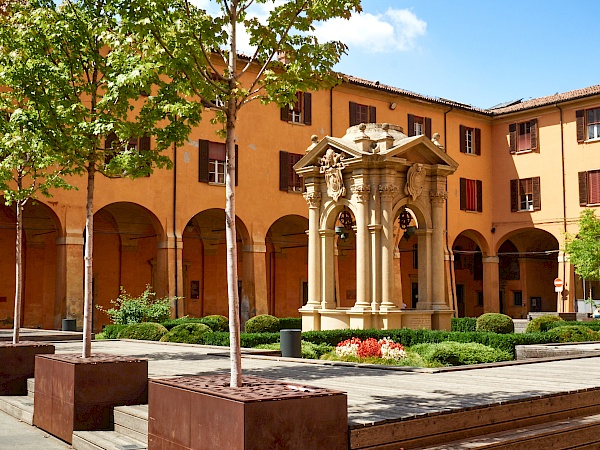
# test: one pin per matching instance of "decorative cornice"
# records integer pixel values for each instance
(388, 191)
(438, 197)
(362, 192)
(313, 199)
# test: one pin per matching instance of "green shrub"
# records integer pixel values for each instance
(221, 322)
(247, 340)
(112, 331)
(188, 333)
(262, 323)
(592, 325)
(495, 323)
(148, 331)
(541, 323)
(573, 333)
(145, 308)
(458, 353)
(290, 323)
(464, 324)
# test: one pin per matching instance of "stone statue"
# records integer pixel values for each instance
(436, 140)
(415, 179)
(331, 165)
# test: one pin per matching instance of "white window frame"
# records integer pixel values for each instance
(469, 148)
(216, 171)
(593, 128)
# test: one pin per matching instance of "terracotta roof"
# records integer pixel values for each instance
(548, 100)
(499, 110)
(384, 87)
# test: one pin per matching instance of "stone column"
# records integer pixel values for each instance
(376, 266)
(69, 286)
(437, 250)
(567, 298)
(328, 269)
(254, 280)
(362, 193)
(314, 251)
(424, 244)
(491, 284)
(387, 247)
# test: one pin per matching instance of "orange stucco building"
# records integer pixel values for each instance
(525, 171)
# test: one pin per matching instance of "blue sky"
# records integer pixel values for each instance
(478, 52)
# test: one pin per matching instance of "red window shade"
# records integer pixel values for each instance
(216, 151)
(471, 195)
(594, 187)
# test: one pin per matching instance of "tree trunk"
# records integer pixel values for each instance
(88, 274)
(230, 232)
(18, 273)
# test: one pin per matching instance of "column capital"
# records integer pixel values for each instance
(374, 227)
(491, 259)
(313, 199)
(362, 192)
(438, 197)
(327, 233)
(388, 191)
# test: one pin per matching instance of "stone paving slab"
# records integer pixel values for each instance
(374, 395)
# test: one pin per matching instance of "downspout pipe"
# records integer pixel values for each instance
(450, 272)
(331, 111)
(564, 194)
(175, 228)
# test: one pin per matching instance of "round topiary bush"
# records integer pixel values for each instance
(539, 323)
(147, 331)
(574, 333)
(112, 331)
(188, 333)
(221, 323)
(459, 353)
(262, 323)
(496, 323)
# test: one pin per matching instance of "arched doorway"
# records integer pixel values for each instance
(205, 265)
(126, 237)
(287, 265)
(468, 272)
(528, 265)
(41, 228)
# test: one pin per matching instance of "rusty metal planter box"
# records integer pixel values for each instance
(74, 393)
(204, 413)
(18, 361)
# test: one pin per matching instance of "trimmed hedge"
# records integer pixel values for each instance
(247, 340)
(573, 333)
(188, 333)
(592, 325)
(542, 323)
(221, 322)
(464, 324)
(287, 323)
(459, 353)
(112, 331)
(148, 331)
(263, 323)
(213, 322)
(495, 323)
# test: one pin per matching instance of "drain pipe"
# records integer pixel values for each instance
(564, 199)
(175, 227)
(450, 264)
(331, 111)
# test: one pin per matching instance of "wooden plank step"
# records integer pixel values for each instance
(438, 428)
(562, 434)
(105, 440)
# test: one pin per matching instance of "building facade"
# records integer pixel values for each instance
(524, 172)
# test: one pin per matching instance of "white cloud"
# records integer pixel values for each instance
(396, 30)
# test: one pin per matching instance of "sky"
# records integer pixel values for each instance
(478, 52)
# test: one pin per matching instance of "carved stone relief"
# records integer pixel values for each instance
(331, 165)
(415, 180)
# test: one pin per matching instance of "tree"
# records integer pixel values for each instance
(584, 247)
(28, 168)
(202, 50)
(94, 87)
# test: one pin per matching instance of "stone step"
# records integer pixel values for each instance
(20, 407)
(132, 421)
(579, 432)
(30, 387)
(105, 440)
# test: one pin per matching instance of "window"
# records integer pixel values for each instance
(300, 111)
(470, 195)
(589, 188)
(518, 298)
(470, 140)
(525, 194)
(588, 124)
(289, 181)
(212, 162)
(362, 114)
(523, 136)
(418, 126)
(112, 146)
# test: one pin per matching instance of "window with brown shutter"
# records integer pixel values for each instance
(514, 195)
(470, 140)
(580, 120)
(360, 113)
(583, 191)
(512, 134)
(589, 188)
(212, 158)
(300, 111)
(289, 180)
(525, 194)
(523, 136)
(470, 195)
(418, 126)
